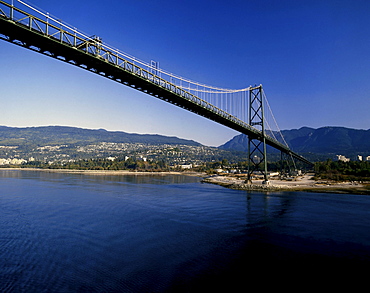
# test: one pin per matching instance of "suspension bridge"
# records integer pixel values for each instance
(240, 109)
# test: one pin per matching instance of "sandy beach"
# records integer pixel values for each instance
(301, 183)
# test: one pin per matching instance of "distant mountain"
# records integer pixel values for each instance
(322, 141)
(56, 135)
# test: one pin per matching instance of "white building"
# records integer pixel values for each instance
(12, 161)
(342, 158)
(4, 162)
(17, 161)
(186, 166)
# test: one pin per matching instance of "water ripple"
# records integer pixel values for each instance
(70, 233)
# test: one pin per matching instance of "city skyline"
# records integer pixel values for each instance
(311, 59)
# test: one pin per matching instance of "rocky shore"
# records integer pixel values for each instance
(301, 183)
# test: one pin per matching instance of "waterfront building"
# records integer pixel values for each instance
(342, 158)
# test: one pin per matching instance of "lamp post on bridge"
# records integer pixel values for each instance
(12, 11)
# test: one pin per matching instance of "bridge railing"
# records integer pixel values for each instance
(55, 29)
(58, 31)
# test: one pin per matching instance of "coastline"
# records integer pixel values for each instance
(106, 172)
(302, 183)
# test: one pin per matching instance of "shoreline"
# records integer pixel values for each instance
(106, 172)
(302, 183)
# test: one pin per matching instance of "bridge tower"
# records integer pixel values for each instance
(257, 158)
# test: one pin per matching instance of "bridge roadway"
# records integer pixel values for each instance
(57, 42)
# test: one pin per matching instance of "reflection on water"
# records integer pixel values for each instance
(66, 232)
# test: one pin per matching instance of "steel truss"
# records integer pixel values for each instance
(52, 38)
(257, 156)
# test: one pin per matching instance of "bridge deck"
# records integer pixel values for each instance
(42, 37)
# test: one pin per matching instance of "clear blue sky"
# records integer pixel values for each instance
(312, 57)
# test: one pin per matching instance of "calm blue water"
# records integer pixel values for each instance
(81, 233)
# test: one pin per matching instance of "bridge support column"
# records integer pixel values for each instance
(287, 169)
(257, 158)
